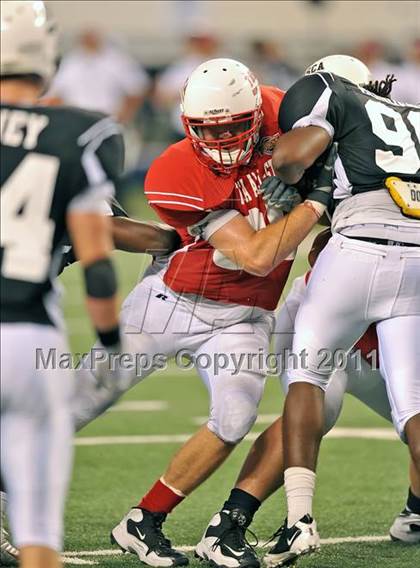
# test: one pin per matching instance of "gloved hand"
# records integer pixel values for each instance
(277, 194)
(114, 367)
(324, 183)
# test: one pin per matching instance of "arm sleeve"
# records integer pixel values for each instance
(172, 191)
(179, 219)
(310, 102)
(211, 223)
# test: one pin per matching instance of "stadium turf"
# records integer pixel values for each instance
(362, 483)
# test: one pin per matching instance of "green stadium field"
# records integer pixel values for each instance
(362, 481)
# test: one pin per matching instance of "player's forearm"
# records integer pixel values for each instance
(134, 236)
(101, 300)
(92, 241)
(297, 150)
(103, 312)
(290, 173)
(273, 244)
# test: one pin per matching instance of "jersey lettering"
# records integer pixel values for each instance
(21, 128)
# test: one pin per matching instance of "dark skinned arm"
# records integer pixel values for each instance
(135, 236)
(297, 150)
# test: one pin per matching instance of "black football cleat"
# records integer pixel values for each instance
(224, 544)
(140, 532)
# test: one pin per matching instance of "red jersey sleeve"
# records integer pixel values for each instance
(178, 219)
(181, 189)
(172, 187)
(173, 181)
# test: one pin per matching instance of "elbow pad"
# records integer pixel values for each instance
(100, 278)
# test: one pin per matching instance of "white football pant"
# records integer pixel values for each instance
(36, 434)
(357, 378)
(159, 324)
(354, 284)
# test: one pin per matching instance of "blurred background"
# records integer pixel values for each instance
(130, 59)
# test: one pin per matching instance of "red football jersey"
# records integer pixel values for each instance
(184, 191)
(369, 346)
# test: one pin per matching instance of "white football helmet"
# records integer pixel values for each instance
(28, 40)
(345, 66)
(221, 111)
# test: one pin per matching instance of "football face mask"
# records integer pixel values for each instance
(221, 110)
(227, 141)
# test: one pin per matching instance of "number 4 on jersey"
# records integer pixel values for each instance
(26, 228)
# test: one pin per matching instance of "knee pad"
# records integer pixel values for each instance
(401, 421)
(233, 418)
(333, 401)
(307, 376)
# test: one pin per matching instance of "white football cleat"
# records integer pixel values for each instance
(224, 544)
(406, 528)
(301, 538)
(140, 532)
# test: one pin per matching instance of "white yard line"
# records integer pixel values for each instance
(364, 433)
(143, 405)
(77, 561)
(77, 557)
(118, 440)
(351, 539)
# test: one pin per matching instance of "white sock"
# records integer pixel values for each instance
(299, 484)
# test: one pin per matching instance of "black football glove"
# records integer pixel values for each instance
(324, 183)
(277, 194)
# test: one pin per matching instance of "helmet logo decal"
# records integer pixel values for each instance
(253, 81)
(214, 111)
(266, 144)
(315, 68)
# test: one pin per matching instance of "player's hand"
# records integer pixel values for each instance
(113, 367)
(277, 194)
(324, 184)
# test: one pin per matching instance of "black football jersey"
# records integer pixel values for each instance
(377, 137)
(53, 160)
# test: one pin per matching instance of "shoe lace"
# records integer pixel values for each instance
(278, 533)
(237, 537)
(159, 538)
